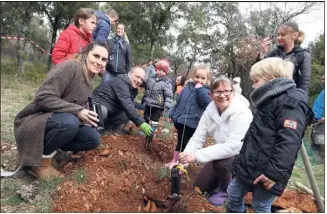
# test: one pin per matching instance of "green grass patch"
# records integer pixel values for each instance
(80, 175)
(13, 200)
(43, 201)
(9, 186)
(299, 173)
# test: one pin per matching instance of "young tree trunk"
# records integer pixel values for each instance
(22, 55)
(189, 68)
(53, 39)
(152, 48)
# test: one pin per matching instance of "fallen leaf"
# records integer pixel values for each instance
(153, 207)
(197, 189)
(147, 207)
(104, 152)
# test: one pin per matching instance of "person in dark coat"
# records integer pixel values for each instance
(289, 40)
(271, 144)
(104, 22)
(116, 97)
(120, 58)
(75, 37)
(59, 116)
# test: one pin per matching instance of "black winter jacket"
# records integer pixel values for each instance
(273, 140)
(301, 59)
(118, 95)
(120, 59)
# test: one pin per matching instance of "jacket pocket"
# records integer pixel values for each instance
(261, 162)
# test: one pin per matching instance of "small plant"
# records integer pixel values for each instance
(80, 175)
(13, 200)
(162, 173)
(123, 165)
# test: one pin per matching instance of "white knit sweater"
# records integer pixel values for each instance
(227, 129)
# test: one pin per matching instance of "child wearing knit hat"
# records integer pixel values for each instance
(158, 94)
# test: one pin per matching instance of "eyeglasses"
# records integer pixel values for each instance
(226, 93)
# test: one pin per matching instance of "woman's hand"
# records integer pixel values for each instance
(89, 117)
(198, 85)
(265, 45)
(186, 158)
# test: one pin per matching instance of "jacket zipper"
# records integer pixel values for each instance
(117, 57)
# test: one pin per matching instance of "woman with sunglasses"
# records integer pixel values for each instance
(226, 120)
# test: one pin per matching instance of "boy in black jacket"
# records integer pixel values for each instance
(270, 147)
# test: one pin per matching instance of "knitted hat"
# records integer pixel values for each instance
(163, 64)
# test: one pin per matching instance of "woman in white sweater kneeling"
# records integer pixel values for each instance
(226, 119)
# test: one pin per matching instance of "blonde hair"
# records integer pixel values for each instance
(125, 37)
(83, 13)
(203, 67)
(272, 67)
(295, 28)
(221, 80)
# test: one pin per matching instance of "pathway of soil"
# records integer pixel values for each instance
(117, 181)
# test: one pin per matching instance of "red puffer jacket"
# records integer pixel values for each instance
(70, 42)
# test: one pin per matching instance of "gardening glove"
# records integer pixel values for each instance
(147, 129)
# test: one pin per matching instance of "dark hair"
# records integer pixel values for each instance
(91, 45)
(150, 60)
(83, 13)
(81, 56)
(183, 80)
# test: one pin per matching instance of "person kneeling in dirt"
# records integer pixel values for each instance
(116, 97)
(226, 119)
(271, 144)
(58, 117)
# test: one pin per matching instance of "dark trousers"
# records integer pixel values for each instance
(152, 113)
(64, 131)
(188, 133)
(213, 175)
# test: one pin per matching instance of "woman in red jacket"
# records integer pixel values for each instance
(76, 36)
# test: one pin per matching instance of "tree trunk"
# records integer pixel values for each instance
(22, 55)
(189, 68)
(53, 39)
(152, 48)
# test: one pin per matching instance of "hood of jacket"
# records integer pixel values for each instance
(102, 16)
(87, 37)
(294, 50)
(239, 104)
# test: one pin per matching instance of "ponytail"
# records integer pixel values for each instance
(299, 40)
(126, 37)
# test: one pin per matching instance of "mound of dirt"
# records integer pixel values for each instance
(122, 172)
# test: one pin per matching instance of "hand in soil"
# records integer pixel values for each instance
(266, 181)
(186, 157)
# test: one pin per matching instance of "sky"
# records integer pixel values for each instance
(312, 24)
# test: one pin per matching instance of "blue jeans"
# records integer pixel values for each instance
(64, 131)
(261, 198)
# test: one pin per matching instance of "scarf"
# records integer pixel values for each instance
(271, 89)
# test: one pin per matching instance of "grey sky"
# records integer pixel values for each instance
(312, 24)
